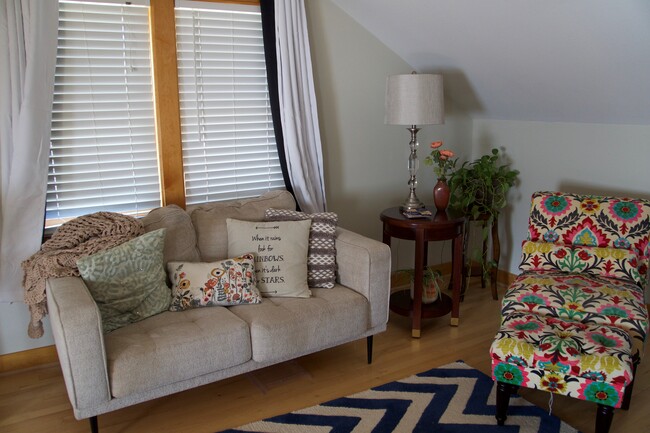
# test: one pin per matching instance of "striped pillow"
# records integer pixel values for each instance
(321, 260)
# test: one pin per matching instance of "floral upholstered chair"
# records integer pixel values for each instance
(574, 322)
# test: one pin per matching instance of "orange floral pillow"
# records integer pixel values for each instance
(227, 282)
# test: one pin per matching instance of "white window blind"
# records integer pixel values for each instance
(229, 148)
(103, 150)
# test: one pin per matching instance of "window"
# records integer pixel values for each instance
(103, 153)
(103, 148)
(229, 148)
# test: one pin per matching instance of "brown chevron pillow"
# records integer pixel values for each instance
(321, 260)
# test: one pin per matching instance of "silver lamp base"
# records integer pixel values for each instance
(412, 203)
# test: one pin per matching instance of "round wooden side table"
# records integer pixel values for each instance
(439, 227)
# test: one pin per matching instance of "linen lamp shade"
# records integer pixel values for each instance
(414, 99)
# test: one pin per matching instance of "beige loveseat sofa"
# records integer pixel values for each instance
(175, 351)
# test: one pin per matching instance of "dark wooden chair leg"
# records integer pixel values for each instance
(369, 348)
(604, 417)
(466, 265)
(504, 390)
(484, 256)
(496, 253)
(94, 426)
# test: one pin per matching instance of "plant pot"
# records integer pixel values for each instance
(430, 292)
(441, 194)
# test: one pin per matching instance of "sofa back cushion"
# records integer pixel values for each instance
(209, 220)
(180, 238)
(591, 228)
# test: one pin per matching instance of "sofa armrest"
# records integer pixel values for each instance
(77, 328)
(364, 266)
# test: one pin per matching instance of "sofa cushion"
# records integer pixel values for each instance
(209, 220)
(321, 256)
(128, 282)
(180, 237)
(280, 250)
(174, 346)
(227, 282)
(284, 328)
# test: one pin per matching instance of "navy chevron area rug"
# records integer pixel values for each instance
(454, 398)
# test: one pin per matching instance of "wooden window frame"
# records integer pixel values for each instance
(162, 23)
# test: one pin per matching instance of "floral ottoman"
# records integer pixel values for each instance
(585, 361)
(590, 299)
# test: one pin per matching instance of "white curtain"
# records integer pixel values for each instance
(28, 34)
(298, 109)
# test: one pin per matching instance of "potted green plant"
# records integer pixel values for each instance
(479, 190)
(431, 280)
(480, 187)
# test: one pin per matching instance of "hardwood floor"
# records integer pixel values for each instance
(35, 400)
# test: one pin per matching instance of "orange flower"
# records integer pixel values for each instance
(441, 160)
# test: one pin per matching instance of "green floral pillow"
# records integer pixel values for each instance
(128, 282)
(227, 282)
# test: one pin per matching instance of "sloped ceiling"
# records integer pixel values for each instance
(545, 60)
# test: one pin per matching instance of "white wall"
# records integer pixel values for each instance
(570, 157)
(365, 160)
(14, 319)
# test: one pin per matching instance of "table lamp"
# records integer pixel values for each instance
(414, 99)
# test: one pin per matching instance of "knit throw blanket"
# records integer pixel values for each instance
(58, 256)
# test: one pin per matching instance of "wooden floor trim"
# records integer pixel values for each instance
(28, 359)
(503, 277)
